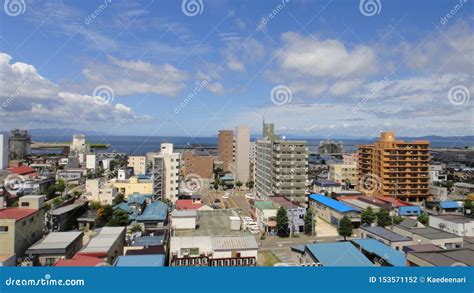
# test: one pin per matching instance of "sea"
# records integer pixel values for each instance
(140, 145)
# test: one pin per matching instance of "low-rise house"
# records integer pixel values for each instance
(358, 204)
(64, 217)
(442, 207)
(107, 244)
(379, 253)
(20, 227)
(265, 214)
(87, 220)
(295, 212)
(326, 186)
(408, 211)
(80, 261)
(442, 258)
(456, 224)
(334, 254)
(332, 210)
(154, 217)
(427, 235)
(386, 236)
(56, 245)
(188, 204)
(462, 188)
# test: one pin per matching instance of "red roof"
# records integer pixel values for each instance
(187, 204)
(79, 261)
(16, 213)
(22, 170)
(394, 201)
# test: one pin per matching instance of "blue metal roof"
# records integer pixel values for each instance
(390, 255)
(338, 254)
(449, 204)
(136, 198)
(155, 211)
(334, 204)
(149, 240)
(124, 207)
(151, 260)
(409, 210)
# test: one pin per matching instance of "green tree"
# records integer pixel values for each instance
(216, 172)
(367, 216)
(345, 227)
(383, 218)
(250, 185)
(423, 218)
(309, 222)
(216, 185)
(104, 214)
(119, 218)
(119, 198)
(282, 222)
(136, 228)
(60, 185)
(398, 219)
(238, 184)
(468, 208)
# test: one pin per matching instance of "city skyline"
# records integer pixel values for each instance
(315, 69)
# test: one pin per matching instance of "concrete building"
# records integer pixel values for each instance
(343, 173)
(166, 167)
(265, 214)
(463, 189)
(4, 151)
(138, 163)
(225, 149)
(133, 185)
(213, 251)
(92, 162)
(107, 245)
(19, 144)
(184, 219)
(55, 246)
(79, 145)
(427, 235)
(20, 227)
(101, 192)
(456, 224)
(394, 168)
(438, 173)
(242, 157)
(349, 159)
(442, 258)
(198, 164)
(385, 236)
(295, 212)
(281, 165)
(333, 211)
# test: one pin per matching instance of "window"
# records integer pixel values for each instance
(25, 204)
(49, 261)
(3, 228)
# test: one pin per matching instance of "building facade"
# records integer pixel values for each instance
(343, 173)
(166, 167)
(281, 165)
(225, 148)
(3, 151)
(242, 156)
(138, 163)
(200, 165)
(394, 168)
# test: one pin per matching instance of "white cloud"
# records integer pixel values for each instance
(127, 77)
(216, 88)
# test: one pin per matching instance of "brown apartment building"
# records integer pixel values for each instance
(200, 165)
(394, 168)
(225, 148)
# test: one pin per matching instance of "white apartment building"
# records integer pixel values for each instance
(101, 192)
(3, 151)
(92, 162)
(281, 165)
(166, 173)
(437, 173)
(138, 163)
(242, 157)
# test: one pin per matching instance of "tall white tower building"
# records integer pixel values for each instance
(4, 151)
(166, 173)
(242, 157)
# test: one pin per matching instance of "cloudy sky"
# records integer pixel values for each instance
(188, 68)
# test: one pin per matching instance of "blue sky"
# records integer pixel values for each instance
(314, 68)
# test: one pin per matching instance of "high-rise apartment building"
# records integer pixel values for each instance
(281, 165)
(242, 157)
(138, 163)
(166, 173)
(394, 168)
(4, 151)
(225, 148)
